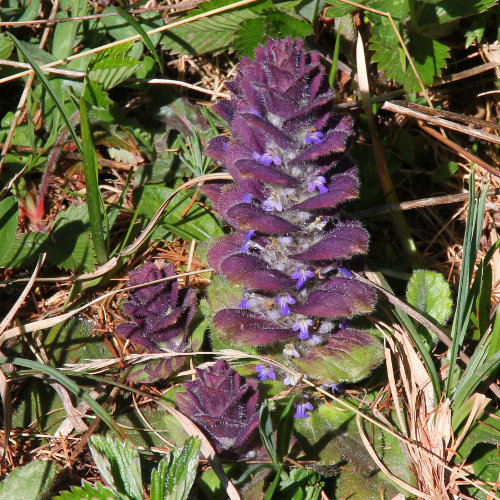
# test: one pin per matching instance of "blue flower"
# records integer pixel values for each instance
(317, 182)
(315, 137)
(272, 203)
(245, 248)
(244, 300)
(344, 324)
(302, 274)
(265, 372)
(344, 272)
(301, 408)
(290, 352)
(284, 301)
(267, 158)
(302, 326)
(247, 198)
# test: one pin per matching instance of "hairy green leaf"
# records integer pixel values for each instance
(430, 294)
(30, 482)
(176, 473)
(88, 492)
(118, 462)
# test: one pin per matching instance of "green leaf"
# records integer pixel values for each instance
(430, 294)
(486, 465)
(211, 34)
(119, 464)
(24, 250)
(112, 66)
(466, 294)
(8, 225)
(284, 430)
(6, 46)
(249, 36)
(176, 472)
(429, 56)
(495, 335)
(340, 9)
(353, 360)
(444, 170)
(197, 224)
(29, 482)
(484, 430)
(88, 492)
(71, 241)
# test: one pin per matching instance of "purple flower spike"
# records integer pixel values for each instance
(302, 274)
(291, 175)
(284, 301)
(315, 137)
(302, 326)
(265, 372)
(301, 408)
(317, 182)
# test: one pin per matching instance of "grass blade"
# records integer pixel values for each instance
(335, 58)
(68, 384)
(145, 38)
(50, 90)
(95, 202)
(466, 295)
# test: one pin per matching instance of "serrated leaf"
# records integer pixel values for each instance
(71, 242)
(430, 294)
(197, 224)
(24, 250)
(428, 56)
(211, 34)
(30, 482)
(278, 24)
(112, 66)
(8, 225)
(176, 473)
(249, 36)
(88, 492)
(119, 464)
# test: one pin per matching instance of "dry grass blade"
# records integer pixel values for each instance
(9, 317)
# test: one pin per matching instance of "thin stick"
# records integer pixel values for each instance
(428, 117)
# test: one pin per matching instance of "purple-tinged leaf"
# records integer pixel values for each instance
(348, 355)
(246, 327)
(340, 188)
(252, 217)
(255, 170)
(341, 243)
(338, 298)
(253, 273)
